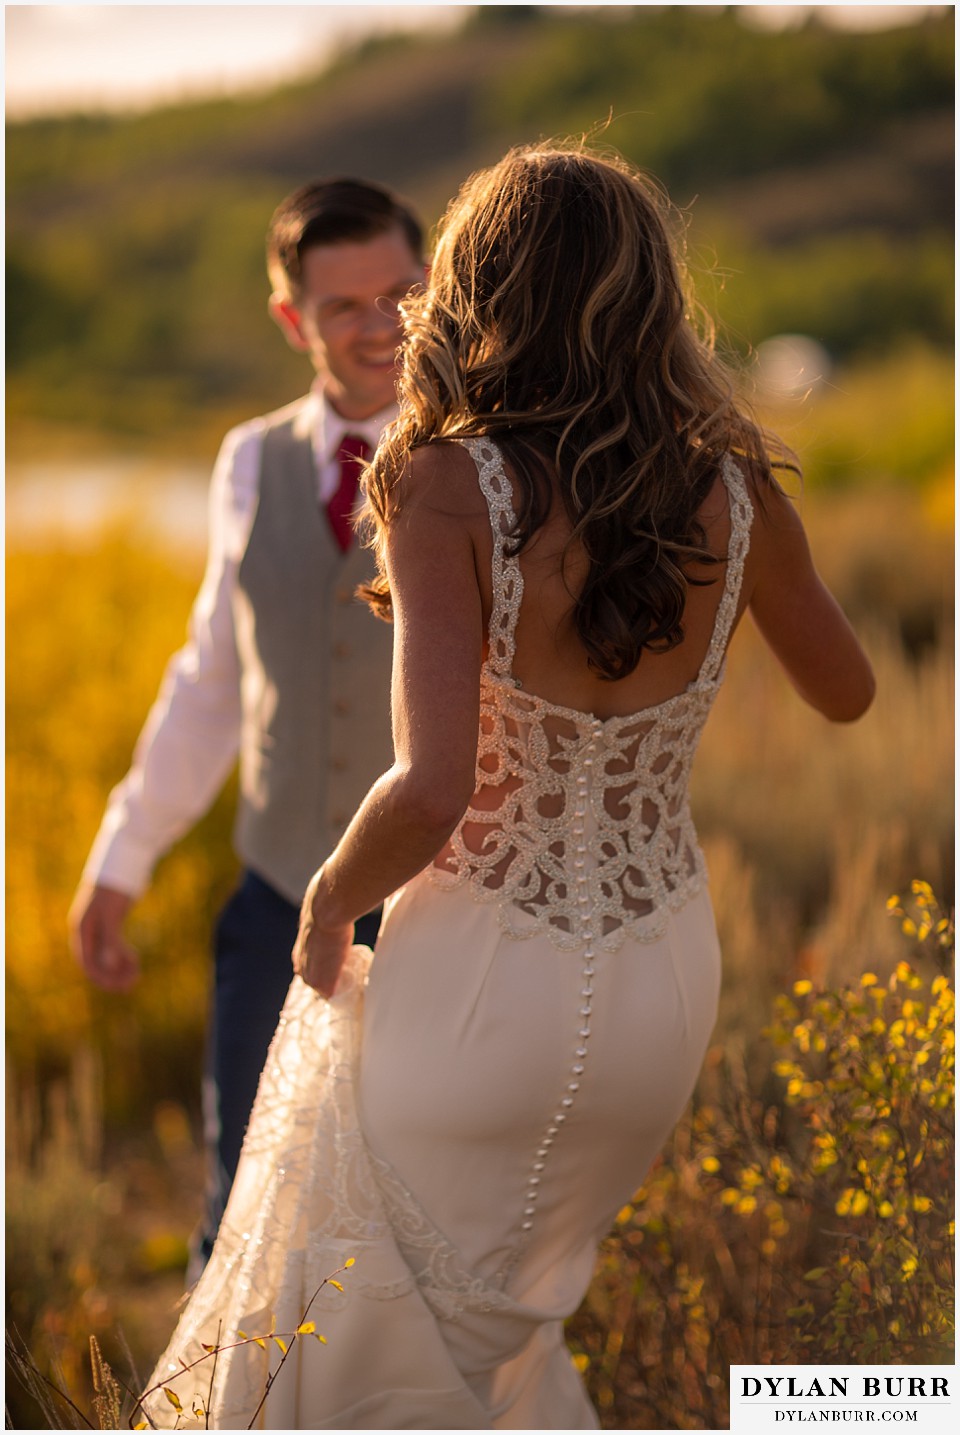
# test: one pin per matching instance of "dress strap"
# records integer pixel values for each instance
(741, 520)
(507, 578)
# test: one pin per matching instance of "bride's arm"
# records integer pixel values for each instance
(409, 813)
(801, 620)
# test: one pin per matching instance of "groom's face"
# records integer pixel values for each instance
(346, 317)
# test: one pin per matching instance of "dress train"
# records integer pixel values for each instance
(309, 1197)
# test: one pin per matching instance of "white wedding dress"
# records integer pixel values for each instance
(466, 1116)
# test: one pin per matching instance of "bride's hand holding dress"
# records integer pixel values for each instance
(320, 952)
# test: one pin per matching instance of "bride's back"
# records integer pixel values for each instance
(551, 661)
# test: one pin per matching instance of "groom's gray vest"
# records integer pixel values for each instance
(314, 672)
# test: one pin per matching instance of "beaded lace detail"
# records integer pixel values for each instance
(580, 827)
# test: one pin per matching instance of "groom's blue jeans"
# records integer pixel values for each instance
(253, 941)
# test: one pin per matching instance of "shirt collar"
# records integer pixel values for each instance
(328, 427)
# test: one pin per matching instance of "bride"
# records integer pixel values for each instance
(571, 516)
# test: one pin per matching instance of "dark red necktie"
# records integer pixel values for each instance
(353, 451)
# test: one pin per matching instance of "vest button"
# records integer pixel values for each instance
(341, 650)
(339, 819)
(344, 595)
(339, 764)
(341, 707)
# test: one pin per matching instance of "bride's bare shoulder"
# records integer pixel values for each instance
(442, 477)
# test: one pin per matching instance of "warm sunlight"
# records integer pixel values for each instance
(351, 995)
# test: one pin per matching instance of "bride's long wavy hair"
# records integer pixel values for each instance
(555, 322)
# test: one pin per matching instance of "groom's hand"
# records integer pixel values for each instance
(96, 937)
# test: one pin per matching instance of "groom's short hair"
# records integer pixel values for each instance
(333, 211)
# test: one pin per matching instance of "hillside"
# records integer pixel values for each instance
(816, 167)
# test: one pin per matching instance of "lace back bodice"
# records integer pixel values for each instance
(580, 826)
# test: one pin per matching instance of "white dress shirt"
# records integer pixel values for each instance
(191, 738)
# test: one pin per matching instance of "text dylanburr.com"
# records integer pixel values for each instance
(799, 1397)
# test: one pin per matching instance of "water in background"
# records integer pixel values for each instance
(153, 498)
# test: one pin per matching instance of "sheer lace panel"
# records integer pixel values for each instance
(580, 827)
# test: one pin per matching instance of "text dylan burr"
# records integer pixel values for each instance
(890, 1387)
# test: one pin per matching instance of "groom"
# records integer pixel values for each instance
(282, 666)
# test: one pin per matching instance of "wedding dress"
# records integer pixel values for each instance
(465, 1117)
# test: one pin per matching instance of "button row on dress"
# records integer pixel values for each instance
(586, 994)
